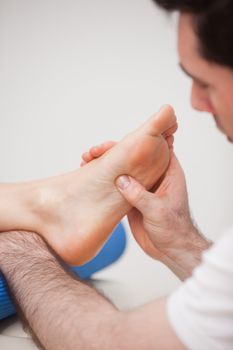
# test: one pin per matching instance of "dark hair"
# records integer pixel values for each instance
(213, 24)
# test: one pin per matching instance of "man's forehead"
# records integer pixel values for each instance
(187, 38)
(192, 62)
(189, 45)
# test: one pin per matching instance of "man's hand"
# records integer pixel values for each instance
(161, 222)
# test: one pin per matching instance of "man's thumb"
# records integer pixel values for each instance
(133, 192)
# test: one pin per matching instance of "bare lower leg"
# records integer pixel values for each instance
(17, 204)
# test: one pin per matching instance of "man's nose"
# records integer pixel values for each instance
(200, 99)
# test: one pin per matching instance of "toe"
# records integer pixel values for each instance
(87, 157)
(162, 121)
(82, 164)
(97, 151)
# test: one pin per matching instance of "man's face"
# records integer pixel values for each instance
(212, 84)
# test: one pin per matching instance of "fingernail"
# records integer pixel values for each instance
(123, 182)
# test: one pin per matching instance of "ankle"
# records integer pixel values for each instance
(17, 206)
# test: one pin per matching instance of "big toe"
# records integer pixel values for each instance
(161, 122)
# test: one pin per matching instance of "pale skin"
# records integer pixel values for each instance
(85, 320)
(59, 208)
(153, 220)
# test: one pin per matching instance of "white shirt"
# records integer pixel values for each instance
(201, 310)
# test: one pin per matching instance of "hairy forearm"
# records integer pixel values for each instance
(63, 312)
(183, 258)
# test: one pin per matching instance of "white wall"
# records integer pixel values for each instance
(76, 72)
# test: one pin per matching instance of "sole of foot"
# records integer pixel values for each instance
(79, 210)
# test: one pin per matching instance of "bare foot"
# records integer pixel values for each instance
(98, 150)
(80, 209)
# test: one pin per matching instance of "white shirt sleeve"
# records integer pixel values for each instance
(201, 310)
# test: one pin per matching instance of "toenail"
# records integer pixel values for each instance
(123, 182)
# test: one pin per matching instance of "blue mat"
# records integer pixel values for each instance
(110, 252)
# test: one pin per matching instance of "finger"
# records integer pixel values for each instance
(135, 219)
(170, 131)
(174, 166)
(134, 193)
(99, 150)
(170, 141)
